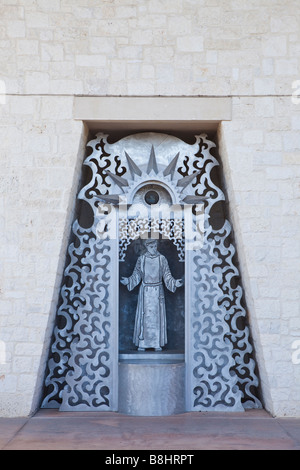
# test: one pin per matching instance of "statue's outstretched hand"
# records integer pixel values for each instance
(179, 283)
(124, 281)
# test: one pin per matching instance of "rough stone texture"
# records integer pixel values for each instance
(171, 47)
(263, 181)
(41, 161)
(51, 51)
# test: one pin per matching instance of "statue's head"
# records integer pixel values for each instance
(151, 246)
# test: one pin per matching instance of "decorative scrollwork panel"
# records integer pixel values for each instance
(83, 361)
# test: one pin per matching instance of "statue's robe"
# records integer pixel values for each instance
(150, 330)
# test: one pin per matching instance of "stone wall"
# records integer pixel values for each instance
(53, 50)
(260, 156)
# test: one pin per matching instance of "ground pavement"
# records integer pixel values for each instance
(54, 430)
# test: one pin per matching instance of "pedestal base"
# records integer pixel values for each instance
(151, 389)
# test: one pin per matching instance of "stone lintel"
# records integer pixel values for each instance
(155, 113)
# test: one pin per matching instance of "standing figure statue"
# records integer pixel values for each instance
(150, 329)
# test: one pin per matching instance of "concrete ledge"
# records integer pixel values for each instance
(150, 357)
(177, 113)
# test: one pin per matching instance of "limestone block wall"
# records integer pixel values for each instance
(260, 157)
(52, 51)
(39, 178)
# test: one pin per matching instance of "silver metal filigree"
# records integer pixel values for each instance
(82, 369)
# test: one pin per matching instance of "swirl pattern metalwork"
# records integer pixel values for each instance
(83, 362)
(80, 366)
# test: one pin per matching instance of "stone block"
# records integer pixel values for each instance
(190, 43)
(274, 46)
(264, 86)
(16, 29)
(296, 126)
(8, 383)
(284, 23)
(141, 37)
(53, 108)
(103, 45)
(37, 82)
(179, 26)
(286, 67)
(264, 107)
(27, 47)
(126, 11)
(44, 5)
(52, 52)
(37, 20)
(93, 60)
(253, 137)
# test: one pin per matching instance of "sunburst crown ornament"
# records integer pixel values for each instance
(160, 178)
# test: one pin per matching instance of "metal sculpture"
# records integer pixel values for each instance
(83, 363)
